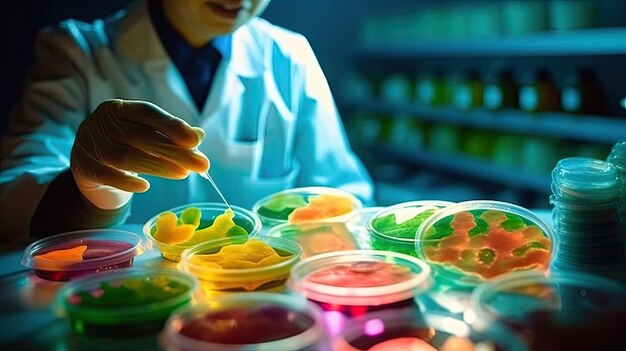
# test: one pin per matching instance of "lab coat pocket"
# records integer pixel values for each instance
(260, 187)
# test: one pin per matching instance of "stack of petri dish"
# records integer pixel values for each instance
(617, 158)
(585, 212)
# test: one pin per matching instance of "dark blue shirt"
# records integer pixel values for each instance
(197, 66)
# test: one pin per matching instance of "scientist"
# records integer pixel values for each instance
(119, 116)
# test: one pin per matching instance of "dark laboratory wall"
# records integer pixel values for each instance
(21, 20)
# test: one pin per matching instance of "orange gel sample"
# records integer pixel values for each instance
(323, 206)
(73, 254)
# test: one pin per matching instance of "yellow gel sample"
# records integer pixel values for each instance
(251, 254)
(170, 229)
(323, 206)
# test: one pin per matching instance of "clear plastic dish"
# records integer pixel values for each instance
(395, 228)
(358, 281)
(209, 211)
(396, 330)
(581, 173)
(317, 237)
(473, 241)
(564, 311)
(129, 302)
(241, 277)
(69, 255)
(253, 321)
(307, 204)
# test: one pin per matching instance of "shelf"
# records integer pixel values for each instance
(596, 129)
(597, 41)
(466, 166)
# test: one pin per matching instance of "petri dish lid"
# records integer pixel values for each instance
(394, 277)
(580, 173)
(473, 241)
(617, 156)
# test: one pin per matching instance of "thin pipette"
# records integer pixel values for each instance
(207, 176)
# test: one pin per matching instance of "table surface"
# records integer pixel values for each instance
(28, 323)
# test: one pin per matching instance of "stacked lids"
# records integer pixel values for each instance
(585, 214)
(617, 158)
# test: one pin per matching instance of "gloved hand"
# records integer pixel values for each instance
(124, 138)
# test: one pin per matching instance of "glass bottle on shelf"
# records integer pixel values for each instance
(430, 88)
(358, 87)
(467, 90)
(396, 88)
(501, 91)
(538, 92)
(582, 94)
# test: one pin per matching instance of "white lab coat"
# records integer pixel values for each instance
(298, 140)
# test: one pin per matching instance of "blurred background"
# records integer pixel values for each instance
(443, 100)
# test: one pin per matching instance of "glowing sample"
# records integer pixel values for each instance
(362, 274)
(72, 255)
(324, 206)
(251, 254)
(309, 204)
(486, 243)
(129, 302)
(395, 228)
(63, 264)
(317, 238)
(170, 229)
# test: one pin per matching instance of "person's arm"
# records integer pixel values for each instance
(36, 150)
(321, 142)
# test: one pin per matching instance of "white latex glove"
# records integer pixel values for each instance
(124, 138)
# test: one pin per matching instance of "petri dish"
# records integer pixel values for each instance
(560, 311)
(473, 241)
(66, 256)
(253, 321)
(208, 212)
(395, 228)
(224, 265)
(307, 204)
(578, 178)
(395, 330)
(317, 237)
(355, 282)
(127, 303)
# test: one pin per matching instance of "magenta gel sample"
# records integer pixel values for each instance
(248, 326)
(361, 274)
(355, 282)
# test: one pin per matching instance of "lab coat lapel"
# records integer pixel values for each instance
(137, 39)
